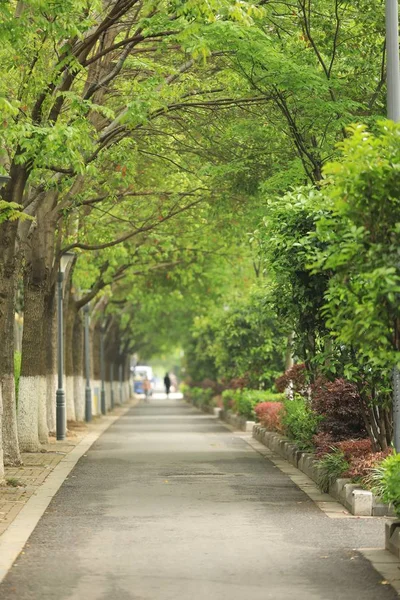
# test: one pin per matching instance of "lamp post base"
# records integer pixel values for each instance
(88, 404)
(61, 423)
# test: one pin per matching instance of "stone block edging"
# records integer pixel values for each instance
(236, 421)
(392, 537)
(358, 502)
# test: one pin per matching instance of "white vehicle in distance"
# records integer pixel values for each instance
(140, 372)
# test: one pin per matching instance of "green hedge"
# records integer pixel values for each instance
(300, 422)
(243, 402)
(198, 396)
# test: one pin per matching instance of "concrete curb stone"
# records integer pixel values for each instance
(358, 501)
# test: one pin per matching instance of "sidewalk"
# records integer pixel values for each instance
(168, 503)
(24, 481)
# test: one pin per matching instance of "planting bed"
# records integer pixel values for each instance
(358, 501)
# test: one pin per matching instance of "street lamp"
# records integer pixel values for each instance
(112, 384)
(88, 389)
(103, 391)
(393, 113)
(392, 54)
(120, 375)
(61, 422)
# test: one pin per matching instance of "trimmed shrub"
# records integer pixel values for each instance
(340, 405)
(269, 414)
(228, 398)
(361, 467)
(198, 396)
(300, 422)
(352, 449)
(245, 403)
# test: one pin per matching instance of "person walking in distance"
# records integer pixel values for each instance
(167, 383)
(147, 388)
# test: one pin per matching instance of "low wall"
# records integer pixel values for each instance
(357, 501)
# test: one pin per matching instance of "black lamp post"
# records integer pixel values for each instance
(102, 369)
(61, 421)
(88, 389)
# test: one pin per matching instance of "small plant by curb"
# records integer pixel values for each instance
(12, 482)
(331, 467)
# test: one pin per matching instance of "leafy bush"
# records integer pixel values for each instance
(17, 371)
(352, 449)
(296, 378)
(229, 398)
(215, 386)
(340, 405)
(269, 414)
(355, 448)
(244, 401)
(300, 422)
(386, 481)
(331, 467)
(361, 467)
(199, 397)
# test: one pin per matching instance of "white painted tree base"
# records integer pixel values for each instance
(96, 387)
(79, 397)
(108, 395)
(43, 430)
(27, 415)
(127, 391)
(51, 402)
(10, 446)
(69, 398)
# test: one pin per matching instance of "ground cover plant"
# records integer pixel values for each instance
(384, 480)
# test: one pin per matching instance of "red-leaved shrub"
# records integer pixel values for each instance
(355, 448)
(238, 383)
(215, 386)
(323, 443)
(294, 377)
(340, 405)
(269, 415)
(361, 466)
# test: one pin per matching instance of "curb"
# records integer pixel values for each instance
(359, 502)
(13, 540)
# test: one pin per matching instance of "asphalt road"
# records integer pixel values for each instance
(170, 505)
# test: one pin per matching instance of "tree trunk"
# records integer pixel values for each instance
(32, 397)
(70, 313)
(8, 417)
(96, 375)
(289, 362)
(77, 357)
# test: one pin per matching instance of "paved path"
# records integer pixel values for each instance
(170, 505)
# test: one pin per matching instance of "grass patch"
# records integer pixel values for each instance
(12, 482)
